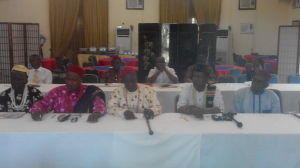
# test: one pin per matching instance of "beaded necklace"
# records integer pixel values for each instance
(12, 96)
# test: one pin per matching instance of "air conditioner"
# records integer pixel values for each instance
(123, 39)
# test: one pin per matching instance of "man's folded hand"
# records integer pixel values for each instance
(129, 115)
(37, 116)
(148, 114)
(93, 118)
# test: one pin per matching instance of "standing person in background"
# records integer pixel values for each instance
(200, 63)
(38, 75)
(20, 97)
(162, 73)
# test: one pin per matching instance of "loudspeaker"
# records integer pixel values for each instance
(149, 48)
(183, 47)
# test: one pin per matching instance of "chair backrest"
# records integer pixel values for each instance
(277, 92)
(58, 80)
(235, 72)
(89, 71)
(87, 64)
(274, 79)
(294, 79)
(268, 67)
(242, 78)
(176, 101)
(228, 79)
(90, 78)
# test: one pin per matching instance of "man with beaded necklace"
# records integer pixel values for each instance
(20, 97)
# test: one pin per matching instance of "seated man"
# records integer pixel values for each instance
(113, 75)
(201, 62)
(38, 75)
(20, 97)
(200, 98)
(133, 98)
(257, 99)
(162, 73)
(73, 97)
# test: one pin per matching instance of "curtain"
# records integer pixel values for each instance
(207, 11)
(95, 17)
(175, 11)
(63, 20)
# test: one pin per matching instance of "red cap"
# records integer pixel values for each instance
(76, 69)
(264, 74)
(127, 71)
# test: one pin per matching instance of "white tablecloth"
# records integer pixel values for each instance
(290, 94)
(265, 141)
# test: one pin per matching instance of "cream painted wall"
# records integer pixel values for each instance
(266, 18)
(120, 16)
(269, 14)
(28, 11)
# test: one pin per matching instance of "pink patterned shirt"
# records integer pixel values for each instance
(58, 101)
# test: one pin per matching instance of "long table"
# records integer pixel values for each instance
(290, 94)
(265, 141)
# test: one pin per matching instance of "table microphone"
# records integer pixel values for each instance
(238, 123)
(149, 127)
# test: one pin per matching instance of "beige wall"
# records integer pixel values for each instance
(119, 16)
(268, 15)
(28, 11)
(266, 19)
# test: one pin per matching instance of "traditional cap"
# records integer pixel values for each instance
(20, 68)
(264, 74)
(76, 69)
(127, 72)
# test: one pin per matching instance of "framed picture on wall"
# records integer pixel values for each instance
(247, 4)
(296, 3)
(135, 4)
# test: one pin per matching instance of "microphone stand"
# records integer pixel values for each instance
(227, 117)
(149, 127)
(238, 124)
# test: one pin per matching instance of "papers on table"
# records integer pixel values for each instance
(11, 115)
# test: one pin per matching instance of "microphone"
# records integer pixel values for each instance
(238, 123)
(149, 127)
(228, 117)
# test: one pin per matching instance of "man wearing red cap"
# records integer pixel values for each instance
(132, 98)
(113, 75)
(257, 99)
(73, 97)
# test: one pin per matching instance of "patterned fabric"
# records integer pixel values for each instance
(61, 100)
(44, 76)
(143, 98)
(110, 76)
(6, 102)
(162, 77)
(247, 102)
(189, 96)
